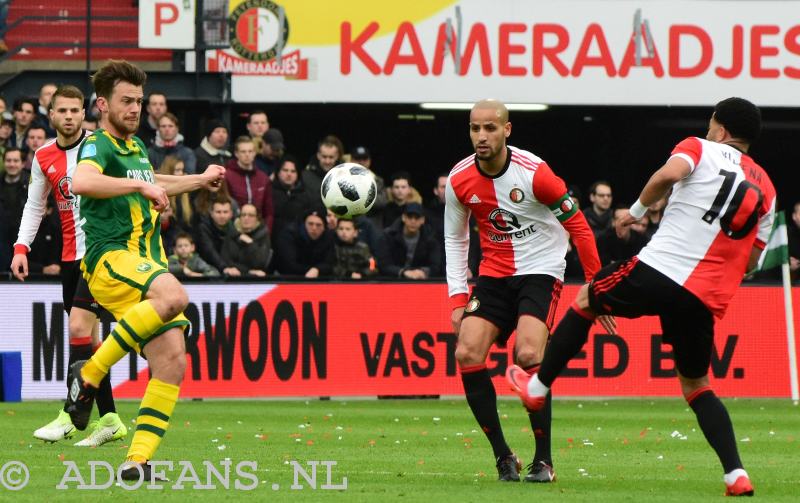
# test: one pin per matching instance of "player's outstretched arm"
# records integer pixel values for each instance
(174, 185)
(674, 170)
(88, 181)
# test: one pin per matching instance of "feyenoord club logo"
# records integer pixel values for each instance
(472, 305)
(517, 195)
(566, 205)
(258, 29)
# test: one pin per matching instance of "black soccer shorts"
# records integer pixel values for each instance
(75, 290)
(631, 289)
(502, 301)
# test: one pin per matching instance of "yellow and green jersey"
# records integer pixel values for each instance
(127, 222)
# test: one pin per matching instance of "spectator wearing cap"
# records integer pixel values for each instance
(306, 248)
(212, 146)
(409, 249)
(400, 193)
(290, 199)
(272, 150)
(148, 127)
(329, 154)
(169, 141)
(361, 155)
(248, 184)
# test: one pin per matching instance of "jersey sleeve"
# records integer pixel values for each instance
(35, 207)
(765, 223)
(690, 149)
(94, 152)
(456, 247)
(551, 191)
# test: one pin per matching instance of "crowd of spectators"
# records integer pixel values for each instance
(267, 219)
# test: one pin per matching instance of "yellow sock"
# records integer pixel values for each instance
(157, 406)
(134, 328)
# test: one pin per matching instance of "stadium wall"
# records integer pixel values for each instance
(309, 340)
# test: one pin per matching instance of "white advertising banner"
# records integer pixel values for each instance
(617, 52)
(35, 324)
(166, 24)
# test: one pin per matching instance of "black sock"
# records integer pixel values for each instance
(79, 349)
(568, 338)
(717, 427)
(541, 421)
(482, 399)
(104, 397)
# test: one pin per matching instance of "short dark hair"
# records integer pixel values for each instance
(741, 118)
(401, 175)
(38, 125)
(593, 188)
(184, 235)
(22, 100)
(67, 91)
(156, 93)
(12, 149)
(332, 140)
(113, 72)
(256, 112)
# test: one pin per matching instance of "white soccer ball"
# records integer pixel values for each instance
(349, 190)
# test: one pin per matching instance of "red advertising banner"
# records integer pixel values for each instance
(395, 339)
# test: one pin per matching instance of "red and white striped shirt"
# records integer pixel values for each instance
(522, 213)
(53, 166)
(713, 219)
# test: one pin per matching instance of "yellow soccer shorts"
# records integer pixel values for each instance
(120, 281)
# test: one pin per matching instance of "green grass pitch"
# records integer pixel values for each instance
(427, 450)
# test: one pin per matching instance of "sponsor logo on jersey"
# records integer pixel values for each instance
(503, 220)
(516, 195)
(69, 200)
(474, 199)
(51, 169)
(89, 150)
(136, 174)
(472, 305)
(497, 237)
(143, 267)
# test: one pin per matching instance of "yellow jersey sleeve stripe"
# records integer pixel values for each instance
(91, 163)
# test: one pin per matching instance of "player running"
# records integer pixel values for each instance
(522, 209)
(53, 167)
(714, 228)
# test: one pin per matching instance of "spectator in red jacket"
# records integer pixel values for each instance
(247, 184)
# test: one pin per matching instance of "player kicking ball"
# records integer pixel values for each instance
(53, 168)
(125, 265)
(715, 225)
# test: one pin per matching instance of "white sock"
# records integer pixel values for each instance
(536, 388)
(730, 478)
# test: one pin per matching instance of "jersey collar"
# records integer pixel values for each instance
(77, 142)
(501, 172)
